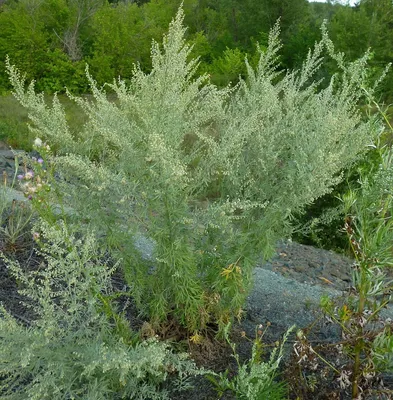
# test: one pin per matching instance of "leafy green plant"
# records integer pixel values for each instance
(320, 224)
(209, 178)
(367, 337)
(255, 379)
(71, 349)
(370, 230)
(228, 68)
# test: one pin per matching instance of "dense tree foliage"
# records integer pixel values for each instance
(52, 40)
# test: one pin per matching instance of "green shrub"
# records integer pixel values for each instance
(209, 177)
(71, 349)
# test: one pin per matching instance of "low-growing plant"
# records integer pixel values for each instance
(255, 379)
(72, 348)
(15, 216)
(190, 184)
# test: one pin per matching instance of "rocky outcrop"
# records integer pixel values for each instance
(11, 164)
(8, 158)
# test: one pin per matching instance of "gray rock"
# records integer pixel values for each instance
(285, 302)
(3, 146)
(11, 154)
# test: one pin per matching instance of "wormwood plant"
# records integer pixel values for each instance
(191, 184)
(255, 379)
(71, 350)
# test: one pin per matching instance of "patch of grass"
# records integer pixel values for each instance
(13, 123)
(76, 118)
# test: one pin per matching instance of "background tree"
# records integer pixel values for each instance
(27, 35)
(81, 11)
(48, 38)
(369, 25)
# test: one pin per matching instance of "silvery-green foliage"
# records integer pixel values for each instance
(382, 350)
(211, 176)
(255, 380)
(70, 349)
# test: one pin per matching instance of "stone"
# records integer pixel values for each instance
(10, 154)
(3, 146)
(300, 268)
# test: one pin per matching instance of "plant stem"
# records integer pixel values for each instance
(325, 361)
(359, 340)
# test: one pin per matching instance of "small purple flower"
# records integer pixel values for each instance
(20, 177)
(30, 197)
(40, 161)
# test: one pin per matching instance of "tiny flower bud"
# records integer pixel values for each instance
(300, 334)
(36, 236)
(37, 142)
